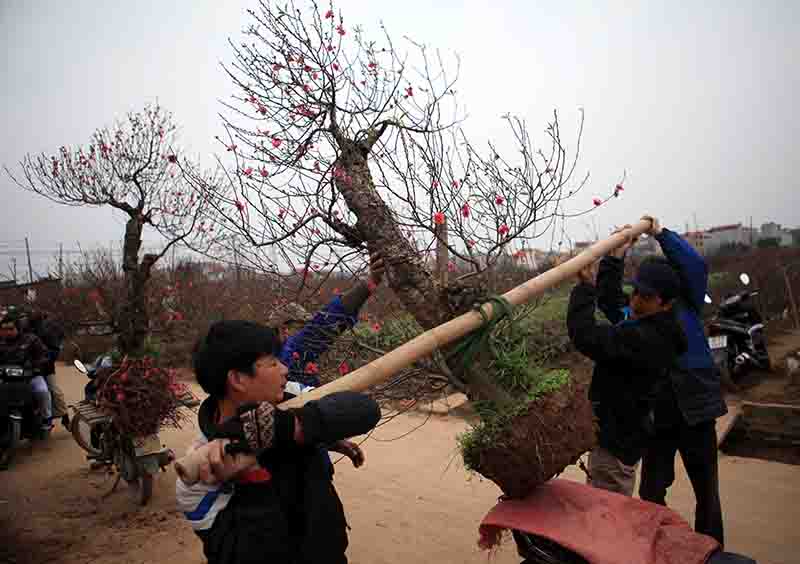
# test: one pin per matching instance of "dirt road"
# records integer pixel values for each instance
(411, 502)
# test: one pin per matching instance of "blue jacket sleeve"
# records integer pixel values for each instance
(689, 264)
(317, 335)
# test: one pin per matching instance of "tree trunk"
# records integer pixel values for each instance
(134, 321)
(407, 273)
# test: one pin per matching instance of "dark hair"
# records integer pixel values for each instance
(231, 345)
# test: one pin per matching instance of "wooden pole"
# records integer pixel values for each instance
(30, 268)
(386, 366)
(791, 298)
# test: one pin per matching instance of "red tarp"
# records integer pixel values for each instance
(601, 526)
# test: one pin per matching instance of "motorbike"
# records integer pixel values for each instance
(18, 417)
(136, 459)
(566, 522)
(736, 335)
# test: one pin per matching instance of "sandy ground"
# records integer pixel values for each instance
(411, 502)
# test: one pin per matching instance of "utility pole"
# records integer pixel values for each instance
(30, 268)
(61, 261)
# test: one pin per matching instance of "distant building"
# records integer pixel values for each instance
(699, 240)
(726, 235)
(775, 231)
(529, 258)
(646, 246)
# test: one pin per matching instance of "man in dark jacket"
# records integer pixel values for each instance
(285, 509)
(687, 409)
(21, 347)
(631, 358)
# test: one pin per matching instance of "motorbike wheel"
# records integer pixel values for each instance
(14, 436)
(81, 431)
(538, 550)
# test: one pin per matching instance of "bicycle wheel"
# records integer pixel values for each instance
(81, 431)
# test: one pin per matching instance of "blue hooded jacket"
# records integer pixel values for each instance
(308, 344)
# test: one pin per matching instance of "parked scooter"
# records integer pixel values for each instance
(736, 335)
(136, 459)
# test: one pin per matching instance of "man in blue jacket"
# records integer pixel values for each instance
(306, 338)
(686, 410)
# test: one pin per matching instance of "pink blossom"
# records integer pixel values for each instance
(329, 48)
(409, 91)
(231, 148)
(597, 202)
(296, 355)
(262, 109)
(252, 99)
(335, 66)
(239, 205)
(438, 218)
(340, 29)
(371, 286)
(503, 230)
(328, 14)
(172, 158)
(276, 67)
(499, 200)
(281, 213)
(276, 142)
(451, 267)
(314, 75)
(343, 368)
(470, 243)
(617, 190)
(247, 172)
(306, 88)
(372, 65)
(455, 183)
(465, 209)
(376, 327)
(435, 184)
(312, 368)
(307, 68)
(264, 172)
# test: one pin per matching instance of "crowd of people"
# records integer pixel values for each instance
(654, 391)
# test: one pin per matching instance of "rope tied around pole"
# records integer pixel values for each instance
(475, 341)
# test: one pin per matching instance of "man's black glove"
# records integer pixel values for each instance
(255, 428)
(258, 427)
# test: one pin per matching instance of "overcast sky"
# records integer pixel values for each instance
(694, 99)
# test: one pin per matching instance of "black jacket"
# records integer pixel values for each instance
(293, 517)
(632, 359)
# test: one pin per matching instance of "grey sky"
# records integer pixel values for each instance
(694, 99)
